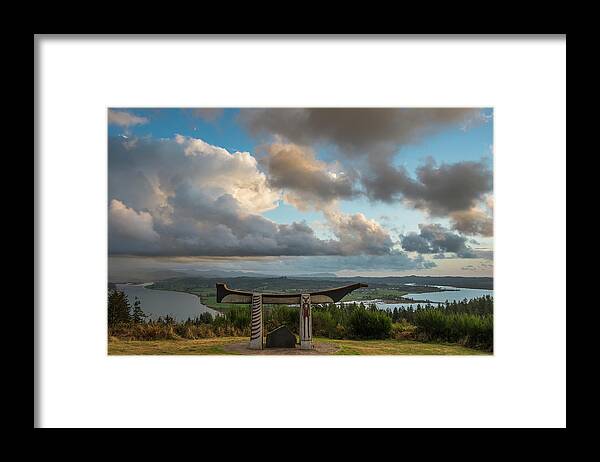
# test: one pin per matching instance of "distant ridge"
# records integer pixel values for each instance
(152, 275)
(314, 275)
(252, 274)
(467, 282)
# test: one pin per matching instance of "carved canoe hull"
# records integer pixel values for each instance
(227, 295)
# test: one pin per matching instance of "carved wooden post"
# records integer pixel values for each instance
(305, 322)
(256, 326)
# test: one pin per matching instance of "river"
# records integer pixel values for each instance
(452, 294)
(157, 303)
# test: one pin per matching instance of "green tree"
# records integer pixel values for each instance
(118, 308)
(137, 315)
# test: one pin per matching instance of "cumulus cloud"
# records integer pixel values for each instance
(357, 234)
(130, 229)
(201, 199)
(233, 173)
(125, 119)
(473, 221)
(146, 174)
(307, 181)
(435, 239)
(477, 220)
(202, 225)
(310, 183)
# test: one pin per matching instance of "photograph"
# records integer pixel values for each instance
(300, 231)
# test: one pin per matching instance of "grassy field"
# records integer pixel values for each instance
(400, 347)
(215, 346)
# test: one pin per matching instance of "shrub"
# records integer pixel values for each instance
(323, 324)
(366, 324)
(471, 330)
(402, 330)
(281, 315)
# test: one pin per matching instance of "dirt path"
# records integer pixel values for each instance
(320, 348)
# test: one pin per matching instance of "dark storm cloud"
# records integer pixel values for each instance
(438, 189)
(368, 140)
(435, 239)
(357, 131)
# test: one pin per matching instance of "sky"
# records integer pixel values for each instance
(350, 191)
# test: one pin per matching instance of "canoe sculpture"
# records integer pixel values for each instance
(227, 295)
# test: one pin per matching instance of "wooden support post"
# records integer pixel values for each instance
(305, 322)
(256, 326)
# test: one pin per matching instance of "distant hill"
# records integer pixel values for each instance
(142, 275)
(227, 274)
(314, 275)
(252, 274)
(466, 282)
(248, 279)
(412, 284)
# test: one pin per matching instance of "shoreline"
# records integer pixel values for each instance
(146, 285)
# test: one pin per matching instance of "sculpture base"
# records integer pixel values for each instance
(282, 337)
(255, 344)
(306, 345)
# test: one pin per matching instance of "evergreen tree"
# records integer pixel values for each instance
(138, 316)
(118, 308)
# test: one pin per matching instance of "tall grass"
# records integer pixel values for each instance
(235, 324)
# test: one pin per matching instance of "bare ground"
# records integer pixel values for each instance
(319, 348)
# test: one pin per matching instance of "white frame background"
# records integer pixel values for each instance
(522, 385)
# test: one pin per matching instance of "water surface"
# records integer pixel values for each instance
(452, 294)
(162, 302)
